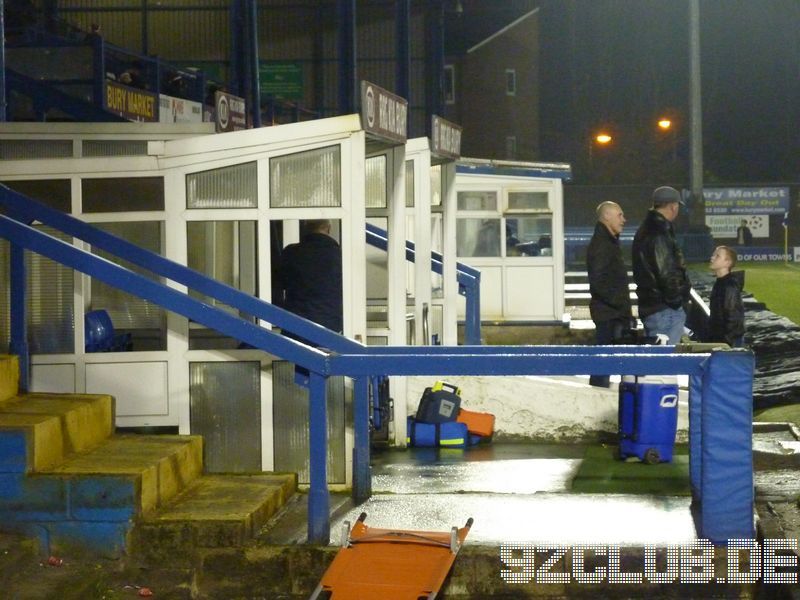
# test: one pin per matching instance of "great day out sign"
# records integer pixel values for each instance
(746, 201)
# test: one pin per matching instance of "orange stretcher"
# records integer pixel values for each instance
(389, 564)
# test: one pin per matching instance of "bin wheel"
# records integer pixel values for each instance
(651, 456)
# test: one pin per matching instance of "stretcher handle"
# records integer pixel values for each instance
(362, 517)
(469, 523)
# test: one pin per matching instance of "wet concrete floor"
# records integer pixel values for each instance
(516, 493)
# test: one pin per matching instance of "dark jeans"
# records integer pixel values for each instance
(605, 333)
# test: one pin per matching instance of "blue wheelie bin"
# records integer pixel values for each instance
(648, 420)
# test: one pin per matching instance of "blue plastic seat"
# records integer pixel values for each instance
(100, 336)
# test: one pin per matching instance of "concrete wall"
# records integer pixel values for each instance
(541, 409)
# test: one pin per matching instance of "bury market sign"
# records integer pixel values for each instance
(383, 113)
(445, 138)
(746, 201)
(130, 103)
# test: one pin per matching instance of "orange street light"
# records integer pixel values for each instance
(603, 138)
(664, 123)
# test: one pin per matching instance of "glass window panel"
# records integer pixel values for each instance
(528, 201)
(377, 277)
(34, 149)
(122, 194)
(228, 187)
(376, 182)
(114, 148)
(311, 178)
(51, 321)
(478, 237)
(477, 200)
(529, 236)
(436, 185)
(225, 251)
(290, 416)
(410, 183)
(225, 399)
(145, 321)
(55, 193)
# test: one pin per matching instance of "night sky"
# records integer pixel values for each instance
(620, 64)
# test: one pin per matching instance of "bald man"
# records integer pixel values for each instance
(610, 305)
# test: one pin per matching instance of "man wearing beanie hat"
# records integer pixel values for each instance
(659, 271)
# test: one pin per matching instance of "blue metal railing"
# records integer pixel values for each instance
(720, 382)
(469, 281)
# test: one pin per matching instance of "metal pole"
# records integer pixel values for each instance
(696, 116)
(435, 63)
(319, 526)
(346, 13)
(403, 8)
(362, 482)
(472, 318)
(2, 64)
(19, 315)
(255, 86)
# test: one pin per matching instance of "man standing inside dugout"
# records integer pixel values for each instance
(310, 272)
(610, 306)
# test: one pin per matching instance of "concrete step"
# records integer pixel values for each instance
(54, 426)
(148, 470)
(216, 511)
(9, 376)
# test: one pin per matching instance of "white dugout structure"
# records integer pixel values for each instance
(222, 204)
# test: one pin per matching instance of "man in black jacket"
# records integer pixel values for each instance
(662, 285)
(311, 274)
(610, 305)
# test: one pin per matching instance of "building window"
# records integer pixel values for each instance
(306, 179)
(484, 228)
(449, 84)
(511, 147)
(511, 82)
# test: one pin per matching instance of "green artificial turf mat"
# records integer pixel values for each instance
(601, 473)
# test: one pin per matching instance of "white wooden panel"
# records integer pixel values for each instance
(139, 388)
(529, 293)
(491, 294)
(57, 379)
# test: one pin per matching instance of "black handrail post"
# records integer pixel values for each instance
(255, 87)
(319, 525)
(403, 26)
(2, 64)
(19, 315)
(346, 25)
(362, 477)
(472, 324)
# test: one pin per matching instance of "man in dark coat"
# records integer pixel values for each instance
(610, 305)
(662, 285)
(311, 275)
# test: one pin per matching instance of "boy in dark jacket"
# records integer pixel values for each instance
(726, 323)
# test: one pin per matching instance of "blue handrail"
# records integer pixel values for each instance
(29, 210)
(181, 303)
(469, 281)
(720, 390)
